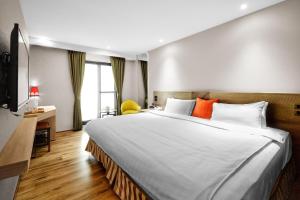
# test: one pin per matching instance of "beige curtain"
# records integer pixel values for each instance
(144, 67)
(77, 65)
(118, 67)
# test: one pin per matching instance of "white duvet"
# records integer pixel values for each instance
(180, 157)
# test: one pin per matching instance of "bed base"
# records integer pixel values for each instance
(121, 183)
(126, 189)
(284, 183)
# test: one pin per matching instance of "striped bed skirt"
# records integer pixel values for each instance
(121, 183)
(126, 189)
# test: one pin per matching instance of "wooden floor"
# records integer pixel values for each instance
(296, 190)
(67, 172)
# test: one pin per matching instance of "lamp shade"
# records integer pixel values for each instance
(34, 91)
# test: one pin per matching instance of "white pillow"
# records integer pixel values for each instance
(179, 106)
(263, 112)
(253, 114)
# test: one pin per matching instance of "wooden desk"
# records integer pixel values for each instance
(49, 116)
(16, 154)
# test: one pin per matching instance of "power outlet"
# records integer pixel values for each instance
(297, 106)
(297, 113)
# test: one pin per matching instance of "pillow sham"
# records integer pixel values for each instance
(179, 106)
(204, 108)
(264, 111)
(253, 114)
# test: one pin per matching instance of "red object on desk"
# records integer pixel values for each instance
(34, 91)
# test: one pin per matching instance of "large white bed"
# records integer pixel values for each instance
(173, 156)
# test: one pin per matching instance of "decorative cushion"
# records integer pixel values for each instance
(204, 108)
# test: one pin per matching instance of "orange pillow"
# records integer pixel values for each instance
(204, 108)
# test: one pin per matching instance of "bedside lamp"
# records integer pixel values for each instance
(34, 91)
(34, 94)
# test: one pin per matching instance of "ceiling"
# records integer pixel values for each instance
(128, 26)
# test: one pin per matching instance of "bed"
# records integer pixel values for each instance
(157, 155)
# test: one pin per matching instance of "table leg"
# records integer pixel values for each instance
(52, 122)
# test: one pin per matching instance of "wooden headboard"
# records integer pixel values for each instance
(283, 110)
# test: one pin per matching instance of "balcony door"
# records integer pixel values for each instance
(98, 90)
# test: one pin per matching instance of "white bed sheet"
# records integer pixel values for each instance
(255, 178)
(259, 174)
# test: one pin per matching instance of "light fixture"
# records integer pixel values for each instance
(34, 91)
(34, 94)
(44, 41)
(244, 6)
(161, 40)
(108, 47)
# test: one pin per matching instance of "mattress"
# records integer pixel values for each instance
(251, 179)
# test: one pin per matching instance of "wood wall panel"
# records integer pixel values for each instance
(162, 96)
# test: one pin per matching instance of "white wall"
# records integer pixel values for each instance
(97, 58)
(256, 53)
(133, 87)
(130, 85)
(50, 70)
(10, 13)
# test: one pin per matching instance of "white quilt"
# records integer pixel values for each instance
(179, 157)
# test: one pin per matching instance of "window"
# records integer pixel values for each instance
(98, 90)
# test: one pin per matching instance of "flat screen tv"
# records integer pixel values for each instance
(18, 74)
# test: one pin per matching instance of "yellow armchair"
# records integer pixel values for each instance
(130, 107)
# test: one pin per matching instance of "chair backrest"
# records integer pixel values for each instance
(130, 105)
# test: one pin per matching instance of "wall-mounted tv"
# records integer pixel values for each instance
(18, 73)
